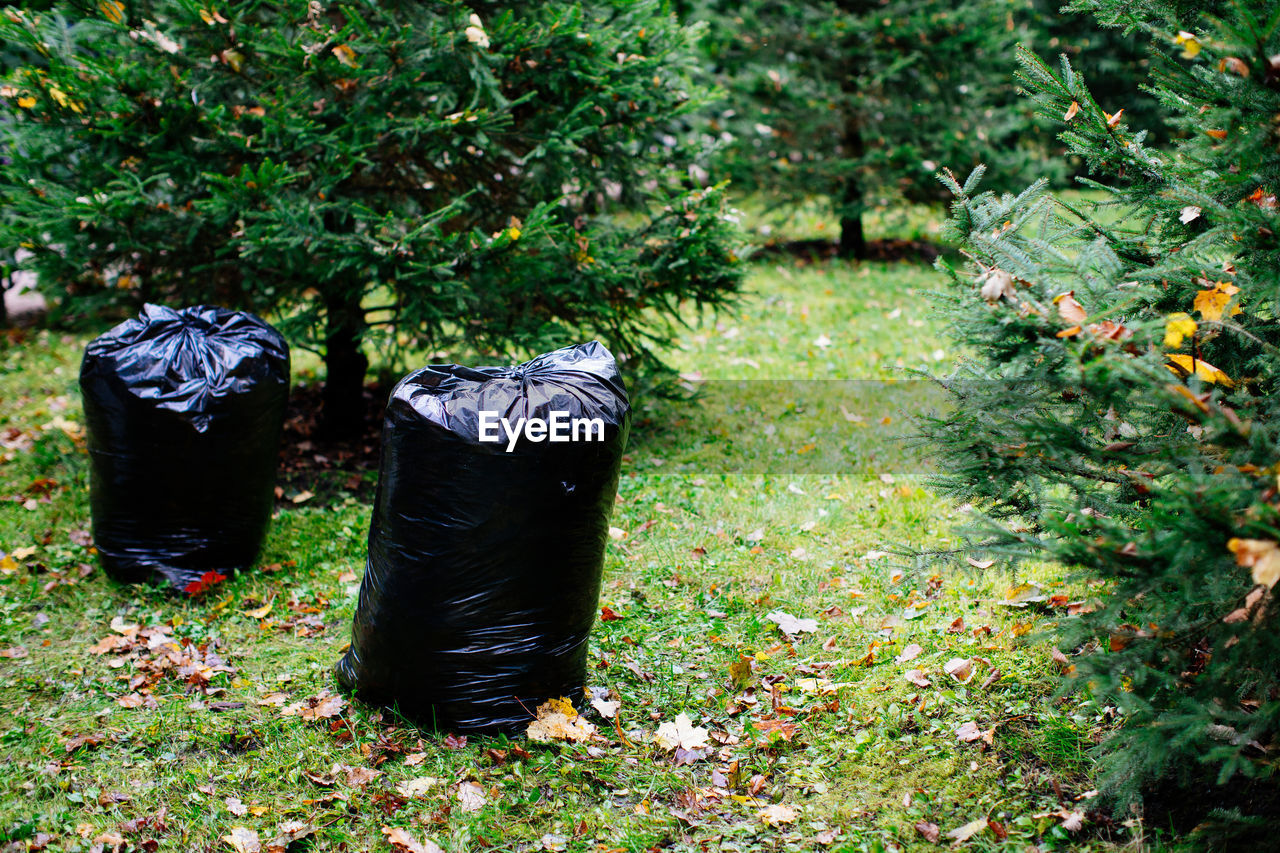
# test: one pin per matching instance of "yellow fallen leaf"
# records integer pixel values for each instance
(1262, 555)
(26, 102)
(1177, 327)
(1190, 44)
(259, 612)
(1211, 303)
(112, 10)
(1071, 111)
(557, 719)
(1185, 365)
(345, 55)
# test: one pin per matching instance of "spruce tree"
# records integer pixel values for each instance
(859, 103)
(1120, 413)
(379, 174)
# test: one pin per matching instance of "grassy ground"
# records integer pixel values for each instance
(815, 739)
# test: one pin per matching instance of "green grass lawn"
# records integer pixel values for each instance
(816, 740)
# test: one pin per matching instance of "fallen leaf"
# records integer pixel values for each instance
(347, 57)
(356, 777)
(968, 732)
(911, 652)
(964, 833)
(1070, 114)
(917, 677)
(236, 807)
(930, 830)
(1178, 327)
(402, 840)
(243, 840)
(789, 624)
(557, 719)
(1189, 213)
(471, 796)
(1068, 308)
(259, 612)
(1185, 365)
(777, 814)
(980, 564)
(321, 706)
(1262, 555)
(682, 734)
(413, 788)
(287, 833)
(961, 669)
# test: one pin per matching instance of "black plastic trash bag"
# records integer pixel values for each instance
(184, 412)
(485, 557)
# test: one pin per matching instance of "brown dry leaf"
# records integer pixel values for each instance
(413, 759)
(930, 830)
(961, 669)
(243, 840)
(236, 807)
(14, 652)
(1113, 120)
(471, 796)
(1068, 308)
(402, 840)
(318, 707)
(917, 677)
(778, 814)
(968, 732)
(1070, 114)
(356, 777)
(911, 652)
(132, 700)
(980, 564)
(558, 720)
(289, 832)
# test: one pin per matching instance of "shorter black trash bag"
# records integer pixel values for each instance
(184, 412)
(485, 556)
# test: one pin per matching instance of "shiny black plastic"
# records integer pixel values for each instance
(184, 411)
(484, 568)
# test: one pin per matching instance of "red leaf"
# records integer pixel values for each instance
(207, 581)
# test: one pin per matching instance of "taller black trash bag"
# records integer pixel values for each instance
(485, 557)
(184, 411)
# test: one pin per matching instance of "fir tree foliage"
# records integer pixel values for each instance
(1120, 413)
(859, 103)
(378, 174)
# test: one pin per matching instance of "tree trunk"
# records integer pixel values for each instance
(853, 241)
(342, 412)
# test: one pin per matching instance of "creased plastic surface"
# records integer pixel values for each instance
(184, 411)
(484, 568)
